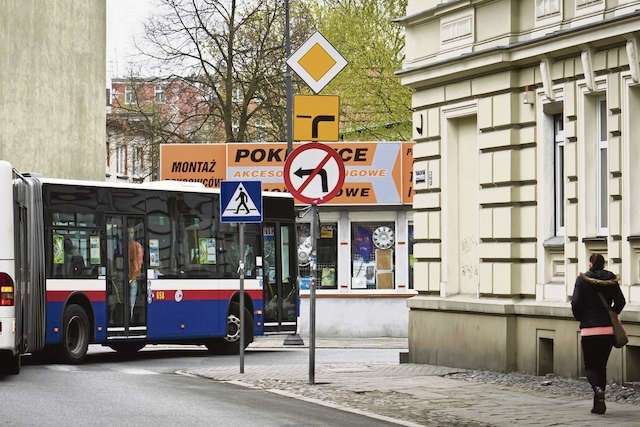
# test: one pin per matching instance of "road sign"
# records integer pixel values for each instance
(315, 118)
(314, 173)
(241, 201)
(316, 62)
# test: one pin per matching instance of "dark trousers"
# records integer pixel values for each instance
(595, 351)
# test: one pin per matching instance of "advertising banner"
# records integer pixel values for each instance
(377, 173)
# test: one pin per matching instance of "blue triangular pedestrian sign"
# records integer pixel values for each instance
(241, 201)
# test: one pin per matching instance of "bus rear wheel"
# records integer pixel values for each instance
(9, 363)
(230, 344)
(75, 334)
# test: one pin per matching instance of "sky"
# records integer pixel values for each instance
(125, 23)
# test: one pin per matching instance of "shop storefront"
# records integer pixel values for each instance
(364, 252)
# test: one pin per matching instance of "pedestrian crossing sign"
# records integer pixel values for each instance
(241, 201)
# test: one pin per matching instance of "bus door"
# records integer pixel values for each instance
(279, 278)
(126, 277)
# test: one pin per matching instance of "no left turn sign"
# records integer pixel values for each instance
(314, 173)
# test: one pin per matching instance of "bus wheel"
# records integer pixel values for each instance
(230, 344)
(9, 363)
(75, 334)
(127, 348)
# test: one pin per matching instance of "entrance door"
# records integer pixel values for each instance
(279, 278)
(126, 277)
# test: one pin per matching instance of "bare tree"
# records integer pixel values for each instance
(231, 52)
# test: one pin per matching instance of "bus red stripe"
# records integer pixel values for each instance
(187, 295)
(61, 296)
(201, 295)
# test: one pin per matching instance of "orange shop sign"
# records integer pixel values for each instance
(377, 173)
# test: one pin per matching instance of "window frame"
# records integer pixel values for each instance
(129, 95)
(602, 221)
(558, 173)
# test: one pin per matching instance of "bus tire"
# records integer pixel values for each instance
(230, 344)
(9, 363)
(128, 347)
(75, 334)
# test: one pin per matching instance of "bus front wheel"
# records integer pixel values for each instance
(9, 363)
(75, 334)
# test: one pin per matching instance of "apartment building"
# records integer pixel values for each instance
(525, 157)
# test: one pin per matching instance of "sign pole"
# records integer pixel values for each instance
(312, 294)
(287, 79)
(242, 319)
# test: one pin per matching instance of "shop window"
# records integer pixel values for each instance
(327, 256)
(372, 255)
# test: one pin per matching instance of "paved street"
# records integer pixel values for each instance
(417, 394)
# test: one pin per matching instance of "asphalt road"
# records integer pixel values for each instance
(144, 389)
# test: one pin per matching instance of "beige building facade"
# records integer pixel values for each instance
(52, 96)
(525, 162)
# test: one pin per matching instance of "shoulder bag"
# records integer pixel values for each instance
(619, 334)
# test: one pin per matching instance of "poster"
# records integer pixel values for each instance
(207, 250)
(94, 244)
(154, 252)
(58, 249)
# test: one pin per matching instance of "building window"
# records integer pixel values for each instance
(137, 161)
(159, 94)
(326, 259)
(121, 160)
(602, 169)
(558, 167)
(545, 8)
(372, 255)
(129, 95)
(411, 242)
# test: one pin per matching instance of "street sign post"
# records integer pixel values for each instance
(241, 201)
(317, 62)
(316, 117)
(313, 173)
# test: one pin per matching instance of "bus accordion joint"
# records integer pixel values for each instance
(6, 290)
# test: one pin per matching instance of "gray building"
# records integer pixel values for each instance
(527, 147)
(52, 96)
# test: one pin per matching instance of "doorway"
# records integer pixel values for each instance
(279, 278)
(126, 277)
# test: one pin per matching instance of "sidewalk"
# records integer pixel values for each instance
(414, 394)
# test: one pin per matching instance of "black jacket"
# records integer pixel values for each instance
(587, 306)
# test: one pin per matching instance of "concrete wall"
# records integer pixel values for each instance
(557, 66)
(52, 86)
(356, 317)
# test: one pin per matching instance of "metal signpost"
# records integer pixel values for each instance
(313, 173)
(240, 202)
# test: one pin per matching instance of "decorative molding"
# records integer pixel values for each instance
(586, 56)
(632, 56)
(547, 82)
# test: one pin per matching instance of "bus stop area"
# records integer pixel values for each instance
(417, 394)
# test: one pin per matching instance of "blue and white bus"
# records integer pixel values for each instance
(126, 265)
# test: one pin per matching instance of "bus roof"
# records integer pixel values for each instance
(167, 185)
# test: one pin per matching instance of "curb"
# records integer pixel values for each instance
(290, 395)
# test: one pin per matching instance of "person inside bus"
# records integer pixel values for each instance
(135, 265)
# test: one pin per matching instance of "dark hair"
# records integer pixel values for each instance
(597, 262)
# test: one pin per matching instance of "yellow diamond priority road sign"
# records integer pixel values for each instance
(316, 62)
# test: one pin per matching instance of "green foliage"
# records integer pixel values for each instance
(373, 103)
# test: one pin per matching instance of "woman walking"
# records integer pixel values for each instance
(596, 330)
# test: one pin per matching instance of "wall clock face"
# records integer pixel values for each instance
(383, 237)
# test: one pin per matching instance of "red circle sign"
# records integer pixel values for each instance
(314, 173)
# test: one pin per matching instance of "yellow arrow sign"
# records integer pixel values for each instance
(316, 118)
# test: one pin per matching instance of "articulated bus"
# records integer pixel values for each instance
(126, 265)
